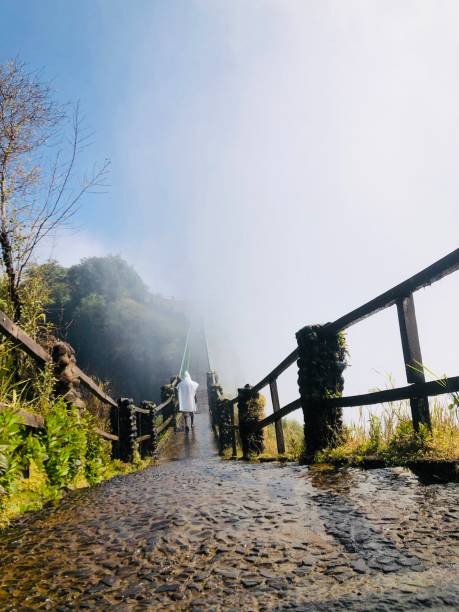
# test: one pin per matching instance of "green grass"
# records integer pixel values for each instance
(390, 437)
(293, 439)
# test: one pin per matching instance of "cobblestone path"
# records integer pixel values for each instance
(199, 533)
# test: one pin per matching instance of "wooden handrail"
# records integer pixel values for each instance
(24, 342)
(106, 435)
(432, 388)
(30, 419)
(286, 363)
(36, 421)
(142, 410)
(41, 356)
(433, 273)
(161, 407)
(164, 425)
(88, 382)
(143, 438)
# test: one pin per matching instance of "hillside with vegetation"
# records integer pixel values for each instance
(122, 333)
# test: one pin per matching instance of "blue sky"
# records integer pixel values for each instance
(92, 51)
(279, 161)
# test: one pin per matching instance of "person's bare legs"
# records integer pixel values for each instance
(185, 416)
(192, 419)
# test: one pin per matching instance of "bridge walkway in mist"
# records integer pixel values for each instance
(197, 532)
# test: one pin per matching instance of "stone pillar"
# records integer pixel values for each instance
(224, 424)
(321, 361)
(67, 382)
(127, 430)
(250, 408)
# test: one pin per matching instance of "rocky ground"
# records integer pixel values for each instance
(198, 533)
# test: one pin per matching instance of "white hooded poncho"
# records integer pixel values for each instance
(186, 394)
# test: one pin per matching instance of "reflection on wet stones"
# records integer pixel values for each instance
(359, 535)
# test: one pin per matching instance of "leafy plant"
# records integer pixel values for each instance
(97, 457)
(65, 442)
(32, 449)
(10, 443)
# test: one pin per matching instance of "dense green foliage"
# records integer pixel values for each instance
(10, 444)
(38, 465)
(121, 332)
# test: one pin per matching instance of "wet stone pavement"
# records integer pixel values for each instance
(198, 533)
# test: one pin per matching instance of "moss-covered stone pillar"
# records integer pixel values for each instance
(321, 361)
(127, 430)
(224, 424)
(65, 370)
(251, 410)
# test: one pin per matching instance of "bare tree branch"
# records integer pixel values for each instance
(36, 198)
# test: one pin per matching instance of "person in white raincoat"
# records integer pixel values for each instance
(186, 390)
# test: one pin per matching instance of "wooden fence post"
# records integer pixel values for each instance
(411, 346)
(277, 424)
(252, 442)
(321, 361)
(127, 430)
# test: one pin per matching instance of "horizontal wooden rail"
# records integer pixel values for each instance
(36, 421)
(41, 356)
(427, 389)
(286, 363)
(165, 425)
(142, 410)
(441, 386)
(23, 340)
(433, 273)
(106, 435)
(88, 382)
(161, 407)
(276, 416)
(143, 438)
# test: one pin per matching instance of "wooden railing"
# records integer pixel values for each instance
(317, 401)
(133, 429)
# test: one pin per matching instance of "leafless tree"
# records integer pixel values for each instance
(38, 189)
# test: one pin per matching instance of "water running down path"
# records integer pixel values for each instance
(199, 533)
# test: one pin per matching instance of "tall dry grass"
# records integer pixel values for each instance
(293, 438)
(388, 434)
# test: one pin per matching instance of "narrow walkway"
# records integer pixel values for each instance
(200, 533)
